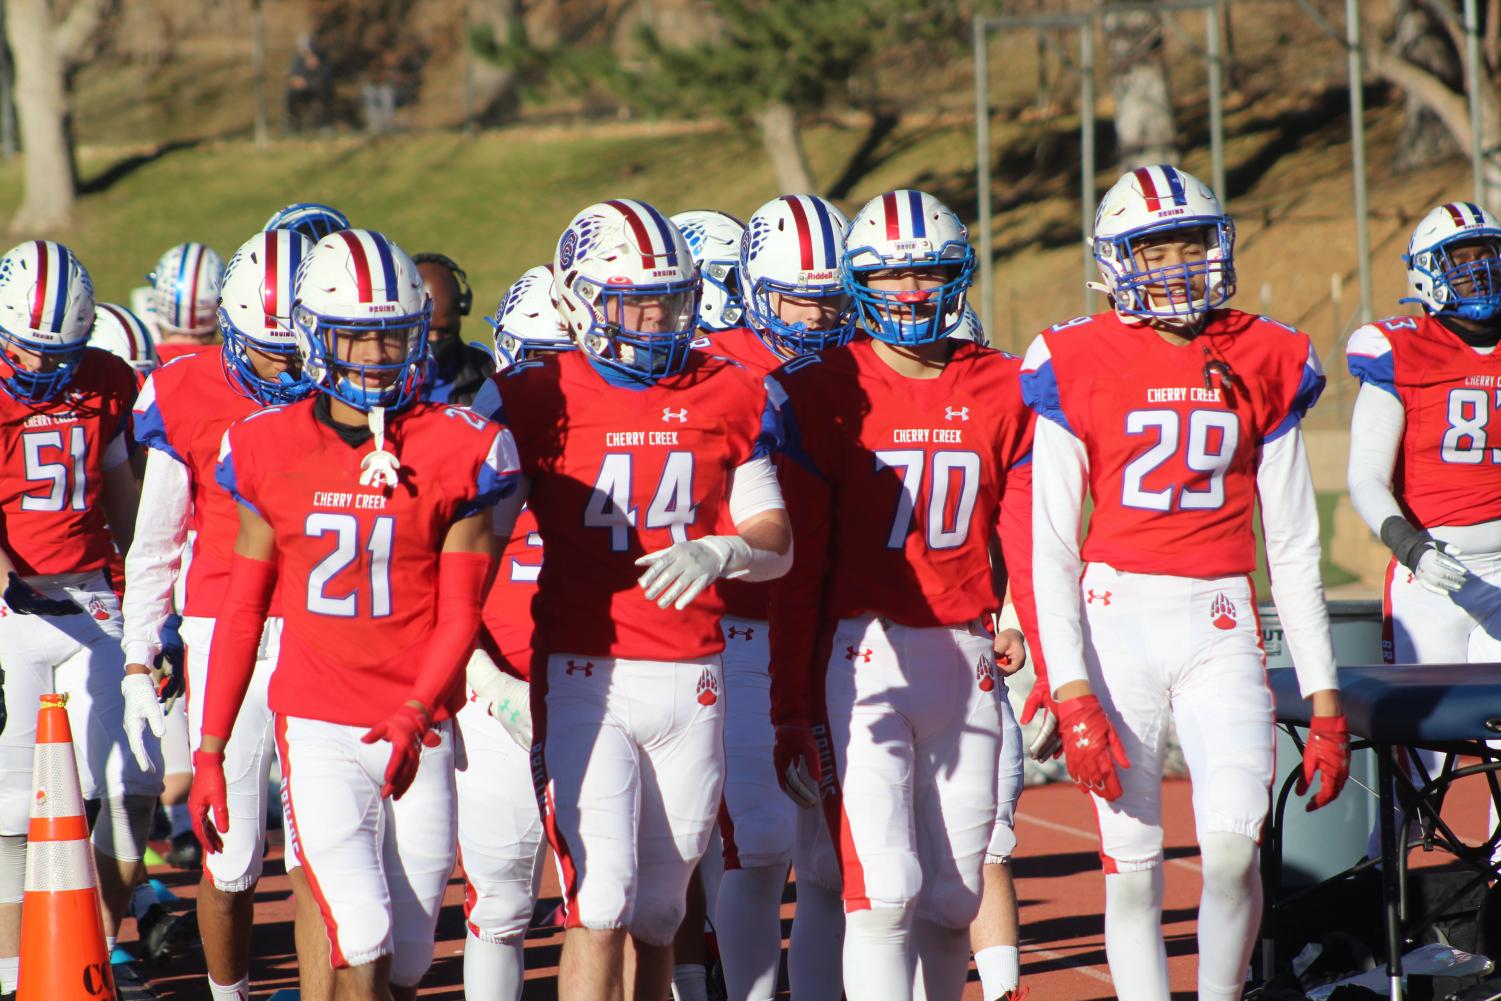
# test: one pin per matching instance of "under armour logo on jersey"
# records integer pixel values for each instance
(1222, 612)
(587, 667)
(1091, 596)
(850, 653)
(708, 688)
(749, 632)
(985, 674)
(956, 413)
(669, 414)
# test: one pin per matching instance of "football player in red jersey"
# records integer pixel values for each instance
(636, 450)
(1176, 414)
(898, 450)
(1422, 471)
(501, 841)
(183, 297)
(186, 521)
(793, 303)
(367, 509)
(68, 501)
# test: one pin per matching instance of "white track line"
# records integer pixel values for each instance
(1093, 972)
(1094, 838)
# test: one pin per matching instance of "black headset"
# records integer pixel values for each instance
(466, 294)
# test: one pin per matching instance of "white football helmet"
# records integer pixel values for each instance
(628, 288)
(1150, 202)
(185, 284)
(1471, 290)
(714, 238)
(910, 230)
(46, 313)
(792, 247)
(361, 318)
(312, 219)
(527, 321)
(255, 311)
(124, 335)
(970, 328)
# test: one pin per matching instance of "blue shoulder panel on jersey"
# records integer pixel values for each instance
(791, 435)
(1025, 460)
(1040, 391)
(150, 430)
(224, 475)
(1374, 370)
(488, 404)
(491, 485)
(1310, 386)
(770, 440)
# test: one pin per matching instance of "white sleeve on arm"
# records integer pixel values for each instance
(155, 556)
(754, 490)
(1059, 469)
(1290, 528)
(1376, 429)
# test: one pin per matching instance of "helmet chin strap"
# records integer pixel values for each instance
(379, 469)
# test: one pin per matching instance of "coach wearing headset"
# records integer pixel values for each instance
(456, 370)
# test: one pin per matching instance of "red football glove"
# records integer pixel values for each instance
(208, 795)
(1090, 747)
(795, 757)
(408, 729)
(1327, 753)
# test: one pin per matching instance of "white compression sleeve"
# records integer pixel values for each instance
(503, 516)
(1376, 428)
(156, 555)
(753, 489)
(1290, 526)
(1059, 470)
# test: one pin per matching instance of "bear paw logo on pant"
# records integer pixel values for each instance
(1222, 612)
(708, 688)
(97, 609)
(985, 674)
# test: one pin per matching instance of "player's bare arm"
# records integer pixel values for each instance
(121, 495)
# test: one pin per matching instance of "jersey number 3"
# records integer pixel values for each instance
(1207, 448)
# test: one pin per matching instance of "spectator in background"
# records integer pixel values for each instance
(456, 370)
(309, 85)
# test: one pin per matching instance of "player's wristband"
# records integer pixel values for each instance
(1406, 542)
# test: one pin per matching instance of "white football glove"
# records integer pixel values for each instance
(506, 698)
(1047, 742)
(1439, 571)
(142, 711)
(680, 573)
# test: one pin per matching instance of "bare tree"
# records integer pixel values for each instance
(47, 47)
(495, 85)
(1420, 39)
(1145, 131)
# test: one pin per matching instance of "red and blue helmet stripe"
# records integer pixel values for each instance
(650, 229)
(1160, 183)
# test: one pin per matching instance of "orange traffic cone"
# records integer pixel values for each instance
(62, 935)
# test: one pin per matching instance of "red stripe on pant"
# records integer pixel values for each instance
(727, 835)
(335, 954)
(567, 870)
(831, 802)
(471, 898)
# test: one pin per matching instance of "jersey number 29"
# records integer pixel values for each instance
(1207, 448)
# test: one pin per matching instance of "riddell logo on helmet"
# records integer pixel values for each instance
(817, 276)
(1222, 612)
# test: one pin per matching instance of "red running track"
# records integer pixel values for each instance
(1059, 886)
